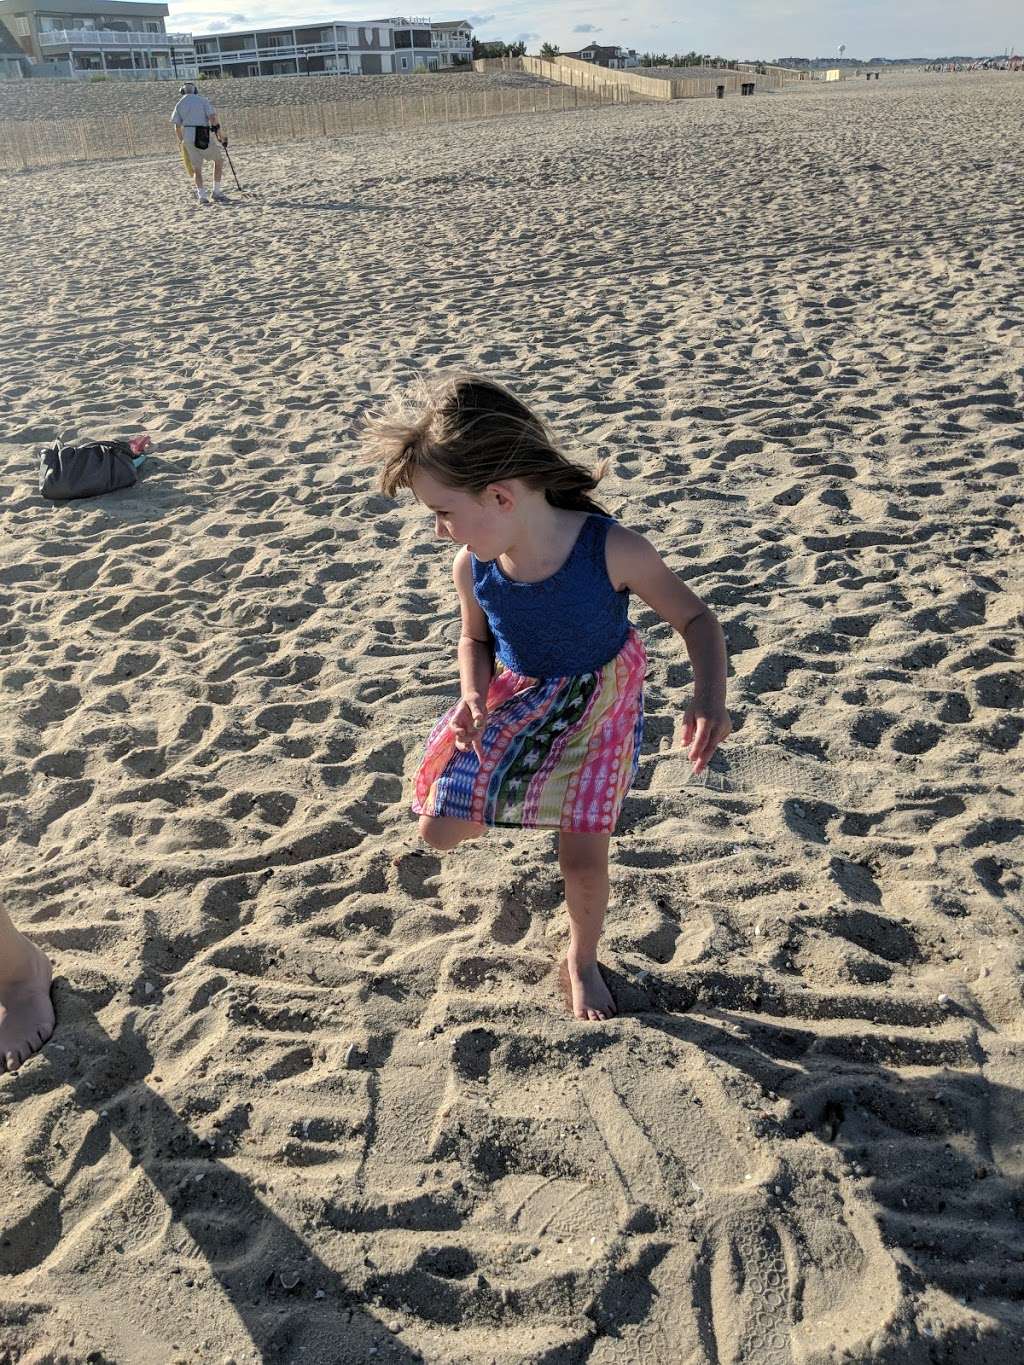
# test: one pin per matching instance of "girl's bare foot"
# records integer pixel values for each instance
(26, 1011)
(591, 998)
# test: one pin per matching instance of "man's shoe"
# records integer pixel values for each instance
(202, 196)
(220, 197)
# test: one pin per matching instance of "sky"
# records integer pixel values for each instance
(730, 28)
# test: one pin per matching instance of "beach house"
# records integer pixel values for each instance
(87, 37)
(615, 58)
(368, 48)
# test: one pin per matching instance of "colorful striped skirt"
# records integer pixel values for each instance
(559, 753)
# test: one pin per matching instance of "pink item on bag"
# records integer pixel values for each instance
(140, 444)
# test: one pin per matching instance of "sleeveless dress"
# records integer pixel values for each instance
(565, 705)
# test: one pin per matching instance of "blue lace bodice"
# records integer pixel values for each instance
(570, 623)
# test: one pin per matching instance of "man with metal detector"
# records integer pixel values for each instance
(201, 138)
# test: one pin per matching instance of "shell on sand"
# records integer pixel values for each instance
(352, 1115)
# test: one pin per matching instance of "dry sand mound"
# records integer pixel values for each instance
(313, 1095)
(63, 99)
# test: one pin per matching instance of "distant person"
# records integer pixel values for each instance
(201, 138)
(547, 731)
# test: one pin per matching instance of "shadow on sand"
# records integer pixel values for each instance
(286, 1297)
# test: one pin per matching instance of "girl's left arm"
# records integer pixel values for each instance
(634, 563)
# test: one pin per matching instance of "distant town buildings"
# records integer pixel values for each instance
(128, 40)
(1003, 63)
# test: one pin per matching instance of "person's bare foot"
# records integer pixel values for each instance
(590, 997)
(26, 1011)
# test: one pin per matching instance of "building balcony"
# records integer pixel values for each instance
(112, 38)
(287, 52)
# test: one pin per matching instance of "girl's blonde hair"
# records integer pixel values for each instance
(467, 432)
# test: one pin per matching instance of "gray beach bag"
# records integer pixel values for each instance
(86, 470)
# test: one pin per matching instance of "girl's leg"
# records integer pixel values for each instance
(26, 1014)
(443, 832)
(583, 859)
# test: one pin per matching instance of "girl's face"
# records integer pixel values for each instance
(464, 519)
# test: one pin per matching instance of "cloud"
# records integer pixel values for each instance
(733, 27)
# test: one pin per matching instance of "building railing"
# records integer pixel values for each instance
(167, 72)
(184, 71)
(285, 50)
(107, 37)
(253, 54)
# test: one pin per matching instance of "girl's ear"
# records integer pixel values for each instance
(503, 494)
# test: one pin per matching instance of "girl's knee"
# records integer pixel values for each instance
(445, 833)
(432, 832)
(583, 858)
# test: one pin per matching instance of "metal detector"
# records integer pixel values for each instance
(224, 144)
(234, 172)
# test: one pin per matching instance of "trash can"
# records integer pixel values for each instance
(720, 92)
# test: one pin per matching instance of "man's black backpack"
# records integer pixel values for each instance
(83, 471)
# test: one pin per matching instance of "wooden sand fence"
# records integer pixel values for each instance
(588, 76)
(54, 142)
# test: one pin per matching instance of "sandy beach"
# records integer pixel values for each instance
(314, 1094)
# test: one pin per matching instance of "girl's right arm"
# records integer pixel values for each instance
(476, 667)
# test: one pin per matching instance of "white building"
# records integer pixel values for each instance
(374, 47)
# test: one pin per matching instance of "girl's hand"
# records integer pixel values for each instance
(704, 729)
(468, 725)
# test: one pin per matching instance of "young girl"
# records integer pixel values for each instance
(26, 1011)
(547, 732)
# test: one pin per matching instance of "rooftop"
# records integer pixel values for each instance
(111, 8)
